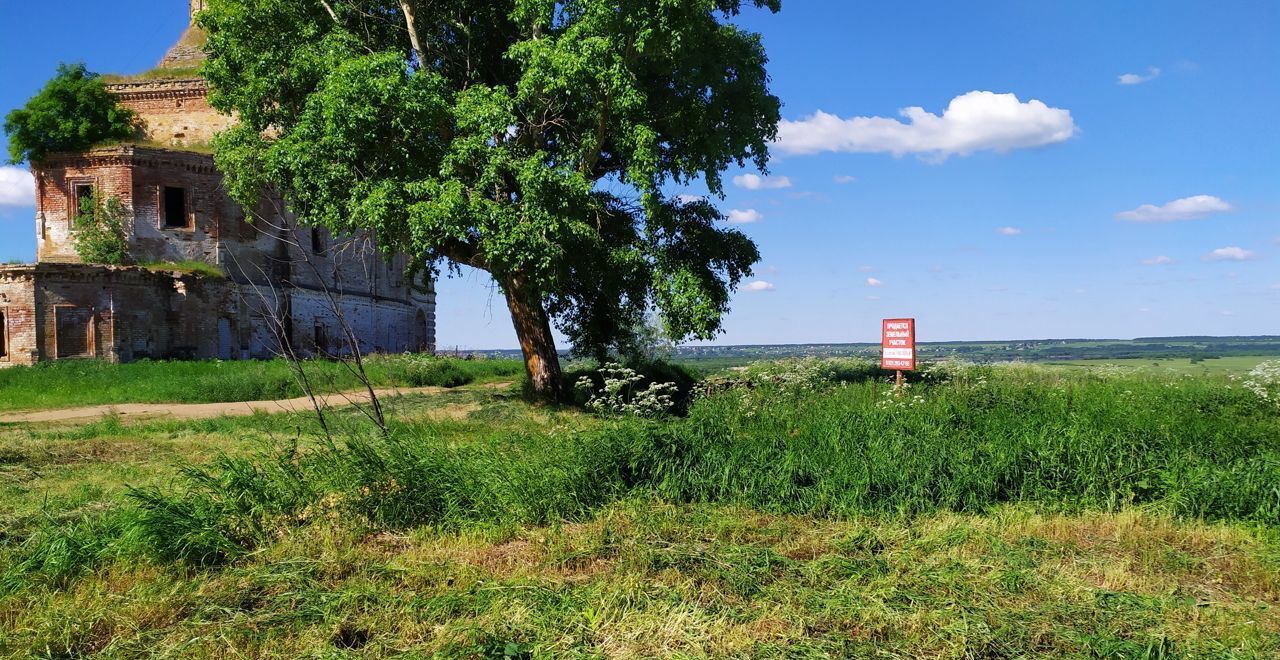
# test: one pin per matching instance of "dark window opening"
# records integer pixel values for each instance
(73, 325)
(83, 194)
(175, 207)
(321, 337)
(317, 241)
(4, 336)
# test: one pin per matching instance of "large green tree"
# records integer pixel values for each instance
(73, 112)
(537, 140)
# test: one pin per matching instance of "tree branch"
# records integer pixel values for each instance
(329, 8)
(407, 8)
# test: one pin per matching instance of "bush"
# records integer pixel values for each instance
(620, 393)
(73, 112)
(100, 236)
(794, 375)
(1264, 381)
(425, 370)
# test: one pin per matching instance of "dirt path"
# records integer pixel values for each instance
(136, 411)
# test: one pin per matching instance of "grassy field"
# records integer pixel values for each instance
(87, 382)
(797, 510)
(1222, 366)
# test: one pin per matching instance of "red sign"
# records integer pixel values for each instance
(898, 344)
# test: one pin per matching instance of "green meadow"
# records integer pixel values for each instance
(1212, 366)
(800, 508)
(69, 384)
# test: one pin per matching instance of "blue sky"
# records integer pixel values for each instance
(1076, 168)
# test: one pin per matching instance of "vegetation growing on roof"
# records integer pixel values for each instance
(73, 112)
(187, 267)
(159, 73)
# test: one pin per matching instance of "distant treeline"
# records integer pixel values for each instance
(1032, 350)
(1028, 350)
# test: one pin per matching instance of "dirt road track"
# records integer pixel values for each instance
(137, 411)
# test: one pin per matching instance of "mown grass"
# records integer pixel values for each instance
(645, 578)
(83, 383)
(995, 512)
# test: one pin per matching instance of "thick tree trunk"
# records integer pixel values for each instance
(533, 329)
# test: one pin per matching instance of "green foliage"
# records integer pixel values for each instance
(101, 232)
(536, 140)
(73, 112)
(1264, 381)
(619, 393)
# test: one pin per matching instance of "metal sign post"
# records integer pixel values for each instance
(898, 347)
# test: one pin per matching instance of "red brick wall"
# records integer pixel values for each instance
(174, 112)
(137, 177)
(110, 176)
(17, 301)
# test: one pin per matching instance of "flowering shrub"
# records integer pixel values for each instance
(621, 394)
(791, 375)
(804, 374)
(1264, 381)
(953, 370)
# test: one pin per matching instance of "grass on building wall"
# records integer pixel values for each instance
(190, 267)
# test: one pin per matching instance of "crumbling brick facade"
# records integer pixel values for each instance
(282, 285)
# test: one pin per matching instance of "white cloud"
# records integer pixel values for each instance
(757, 182)
(845, 179)
(1187, 208)
(758, 285)
(873, 298)
(1137, 78)
(871, 281)
(1158, 261)
(745, 216)
(690, 199)
(17, 187)
(1009, 231)
(976, 121)
(1229, 254)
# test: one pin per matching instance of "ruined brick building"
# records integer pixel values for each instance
(280, 285)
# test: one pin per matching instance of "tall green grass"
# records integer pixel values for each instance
(81, 383)
(1197, 448)
(1192, 448)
